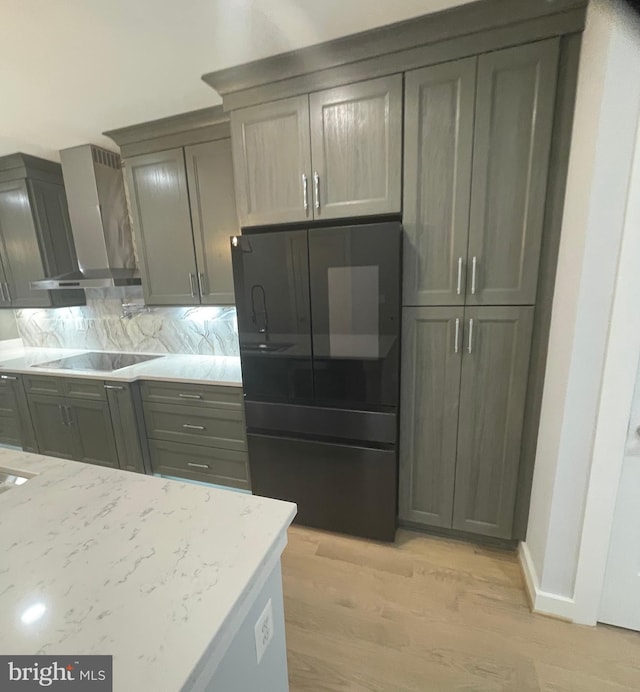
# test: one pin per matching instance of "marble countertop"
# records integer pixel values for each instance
(193, 369)
(152, 571)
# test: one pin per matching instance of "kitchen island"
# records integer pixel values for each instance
(170, 578)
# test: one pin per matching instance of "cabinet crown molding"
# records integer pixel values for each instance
(474, 27)
(193, 127)
(16, 166)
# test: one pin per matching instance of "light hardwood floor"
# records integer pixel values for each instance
(432, 614)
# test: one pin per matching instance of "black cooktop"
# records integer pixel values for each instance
(106, 362)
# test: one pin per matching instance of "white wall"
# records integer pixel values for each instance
(607, 110)
(71, 69)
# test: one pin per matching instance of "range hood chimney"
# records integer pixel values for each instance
(99, 221)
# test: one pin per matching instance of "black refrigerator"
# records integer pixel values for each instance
(319, 328)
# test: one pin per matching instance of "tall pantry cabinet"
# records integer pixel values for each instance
(476, 158)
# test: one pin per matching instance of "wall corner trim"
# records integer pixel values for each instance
(543, 602)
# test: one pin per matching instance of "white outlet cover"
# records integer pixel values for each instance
(264, 630)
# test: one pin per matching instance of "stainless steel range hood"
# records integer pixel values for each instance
(99, 221)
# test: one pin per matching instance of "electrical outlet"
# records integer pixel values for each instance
(264, 630)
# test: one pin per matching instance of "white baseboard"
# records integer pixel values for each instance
(543, 601)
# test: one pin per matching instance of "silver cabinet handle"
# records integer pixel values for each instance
(470, 335)
(456, 347)
(474, 263)
(190, 396)
(63, 415)
(192, 283)
(187, 426)
(113, 386)
(3, 296)
(197, 466)
(69, 419)
(316, 189)
(8, 290)
(8, 377)
(459, 285)
(305, 192)
(202, 283)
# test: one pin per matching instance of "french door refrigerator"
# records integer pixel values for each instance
(319, 328)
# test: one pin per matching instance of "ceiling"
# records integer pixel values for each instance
(71, 69)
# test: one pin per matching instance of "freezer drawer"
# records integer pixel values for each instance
(336, 487)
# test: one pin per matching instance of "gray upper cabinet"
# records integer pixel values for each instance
(214, 218)
(35, 233)
(492, 396)
(356, 148)
(272, 162)
(438, 148)
(431, 363)
(329, 155)
(514, 120)
(20, 248)
(162, 222)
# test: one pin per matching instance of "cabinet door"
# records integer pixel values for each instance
(126, 426)
(17, 428)
(92, 432)
(492, 396)
(272, 162)
(51, 424)
(431, 360)
(356, 148)
(514, 119)
(5, 297)
(213, 213)
(159, 201)
(438, 144)
(20, 249)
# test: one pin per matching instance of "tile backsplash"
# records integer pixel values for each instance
(116, 320)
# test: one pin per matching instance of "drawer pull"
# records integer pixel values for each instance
(197, 466)
(190, 396)
(113, 386)
(187, 426)
(8, 377)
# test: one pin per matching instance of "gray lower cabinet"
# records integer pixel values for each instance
(463, 393)
(183, 206)
(272, 162)
(93, 436)
(431, 365)
(86, 420)
(493, 386)
(128, 425)
(50, 421)
(15, 422)
(356, 148)
(196, 432)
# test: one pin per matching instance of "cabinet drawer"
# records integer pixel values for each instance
(81, 388)
(43, 384)
(10, 430)
(221, 466)
(207, 396)
(191, 424)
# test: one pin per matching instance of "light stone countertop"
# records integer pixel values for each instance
(155, 572)
(224, 370)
